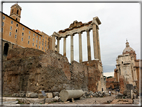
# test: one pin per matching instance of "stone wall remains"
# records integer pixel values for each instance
(33, 70)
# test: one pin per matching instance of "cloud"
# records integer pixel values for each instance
(107, 74)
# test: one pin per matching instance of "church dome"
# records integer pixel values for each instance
(128, 49)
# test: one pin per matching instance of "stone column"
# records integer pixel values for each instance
(80, 48)
(118, 76)
(64, 48)
(98, 45)
(95, 41)
(88, 46)
(72, 51)
(53, 42)
(58, 45)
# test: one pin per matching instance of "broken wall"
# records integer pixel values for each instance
(48, 71)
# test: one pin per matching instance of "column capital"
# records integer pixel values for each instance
(79, 32)
(58, 38)
(88, 30)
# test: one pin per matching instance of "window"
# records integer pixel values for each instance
(28, 42)
(11, 22)
(39, 42)
(42, 40)
(33, 39)
(21, 39)
(36, 41)
(39, 37)
(15, 36)
(39, 47)
(17, 11)
(42, 48)
(42, 43)
(45, 49)
(23, 28)
(29, 37)
(3, 17)
(16, 25)
(33, 34)
(43, 36)
(16, 30)
(36, 45)
(10, 27)
(22, 34)
(1, 29)
(9, 33)
(33, 44)
(29, 32)
(2, 23)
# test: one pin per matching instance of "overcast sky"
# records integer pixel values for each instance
(120, 21)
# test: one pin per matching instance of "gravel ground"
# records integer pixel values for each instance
(89, 100)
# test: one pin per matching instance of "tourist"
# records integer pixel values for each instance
(109, 92)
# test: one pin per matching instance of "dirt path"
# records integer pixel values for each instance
(89, 100)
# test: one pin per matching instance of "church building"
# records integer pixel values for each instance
(128, 67)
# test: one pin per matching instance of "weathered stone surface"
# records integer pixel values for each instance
(16, 53)
(119, 96)
(49, 95)
(48, 71)
(40, 96)
(55, 94)
(122, 83)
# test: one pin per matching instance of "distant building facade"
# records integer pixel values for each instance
(128, 67)
(15, 34)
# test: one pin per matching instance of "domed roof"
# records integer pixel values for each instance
(128, 49)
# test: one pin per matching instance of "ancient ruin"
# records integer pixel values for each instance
(77, 28)
(50, 71)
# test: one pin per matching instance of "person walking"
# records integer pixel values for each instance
(109, 92)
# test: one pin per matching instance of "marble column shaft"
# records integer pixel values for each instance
(88, 46)
(72, 51)
(58, 45)
(80, 47)
(64, 50)
(53, 43)
(98, 44)
(95, 41)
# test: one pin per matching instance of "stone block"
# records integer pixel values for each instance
(55, 94)
(119, 96)
(49, 95)
(40, 96)
(49, 100)
(33, 95)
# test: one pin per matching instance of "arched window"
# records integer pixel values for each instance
(6, 46)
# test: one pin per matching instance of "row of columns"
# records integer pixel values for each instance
(95, 45)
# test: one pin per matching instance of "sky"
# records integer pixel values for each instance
(119, 21)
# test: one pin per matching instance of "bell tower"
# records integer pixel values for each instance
(15, 12)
